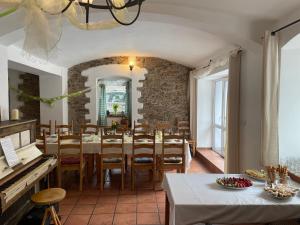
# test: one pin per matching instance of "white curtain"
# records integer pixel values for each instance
(193, 105)
(270, 152)
(232, 148)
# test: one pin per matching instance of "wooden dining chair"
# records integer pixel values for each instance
(111, 157)
(70, 156)
(143, 156)
(64, 128)
(44, 127)
(42, 142)
(162, 125)
(141, 128)
(90, 129)
(183, 127)
(124, 123)
(173, 154)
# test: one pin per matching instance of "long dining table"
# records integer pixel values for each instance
(92, 146)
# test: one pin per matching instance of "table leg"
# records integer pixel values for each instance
(90, 166)
(167, 211)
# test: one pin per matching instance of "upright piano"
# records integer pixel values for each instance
(17, 184)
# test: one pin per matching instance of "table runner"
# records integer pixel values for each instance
(196, 198)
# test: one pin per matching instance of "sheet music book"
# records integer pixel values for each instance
(9, 152)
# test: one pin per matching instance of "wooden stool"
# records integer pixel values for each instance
(49, 197)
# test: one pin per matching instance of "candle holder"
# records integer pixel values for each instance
(15, 115)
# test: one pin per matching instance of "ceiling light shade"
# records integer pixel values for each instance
(43, 26)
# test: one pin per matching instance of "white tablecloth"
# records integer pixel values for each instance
(95, 147)
(196, 198)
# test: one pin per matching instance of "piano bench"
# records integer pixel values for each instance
(49, 197)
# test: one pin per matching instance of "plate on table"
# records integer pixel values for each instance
(256, 174)
(235, 183)
(282, 192)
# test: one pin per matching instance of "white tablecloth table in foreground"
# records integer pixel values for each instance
(196, 198)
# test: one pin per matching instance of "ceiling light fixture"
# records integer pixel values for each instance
(131, 60)
(44, 17)
(113, 6)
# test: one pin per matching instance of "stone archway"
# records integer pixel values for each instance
(164, 93)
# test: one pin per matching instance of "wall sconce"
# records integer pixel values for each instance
(131, 66)
(131, 61)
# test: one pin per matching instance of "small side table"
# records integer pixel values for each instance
(49, 197)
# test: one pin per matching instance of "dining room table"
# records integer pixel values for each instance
(199, 199)
(92, 147)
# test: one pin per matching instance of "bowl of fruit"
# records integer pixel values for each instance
(236, 183)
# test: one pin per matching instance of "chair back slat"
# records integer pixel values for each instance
(141, 128)
(61, 127)
(140, 148)
(142, 136)
(116, 145)
(163, 125)
(89, 129)
(183, 127)
(70, 145)
(44, 127)
(166, 145)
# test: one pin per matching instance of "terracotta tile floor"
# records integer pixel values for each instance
(114, 207)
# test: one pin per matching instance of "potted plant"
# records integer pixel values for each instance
(115, 108)
(114, 126)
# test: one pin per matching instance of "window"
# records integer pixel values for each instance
(116, 94)
(219, 115)
(110, 93)
(289, 106)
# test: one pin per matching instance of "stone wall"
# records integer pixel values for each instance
(164, 93)
(30, 85)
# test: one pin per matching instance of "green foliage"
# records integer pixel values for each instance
(48, 101)
(115, 107)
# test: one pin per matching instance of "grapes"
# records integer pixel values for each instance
(234, 182)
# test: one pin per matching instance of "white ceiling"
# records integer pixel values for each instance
(255, 9)
(185, 31)
(175, 43)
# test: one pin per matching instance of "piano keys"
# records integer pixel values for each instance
(17, 184)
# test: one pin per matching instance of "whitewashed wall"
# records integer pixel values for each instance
(52, 86)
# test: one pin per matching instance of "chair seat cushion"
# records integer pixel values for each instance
(70, 161)
(173, 160)
(143, 160)
(112, 160)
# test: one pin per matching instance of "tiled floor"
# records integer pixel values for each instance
(143, 206)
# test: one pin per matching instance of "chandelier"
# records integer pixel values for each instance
(43, 25)
(110, 5)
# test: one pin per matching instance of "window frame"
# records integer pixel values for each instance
(223, 126)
